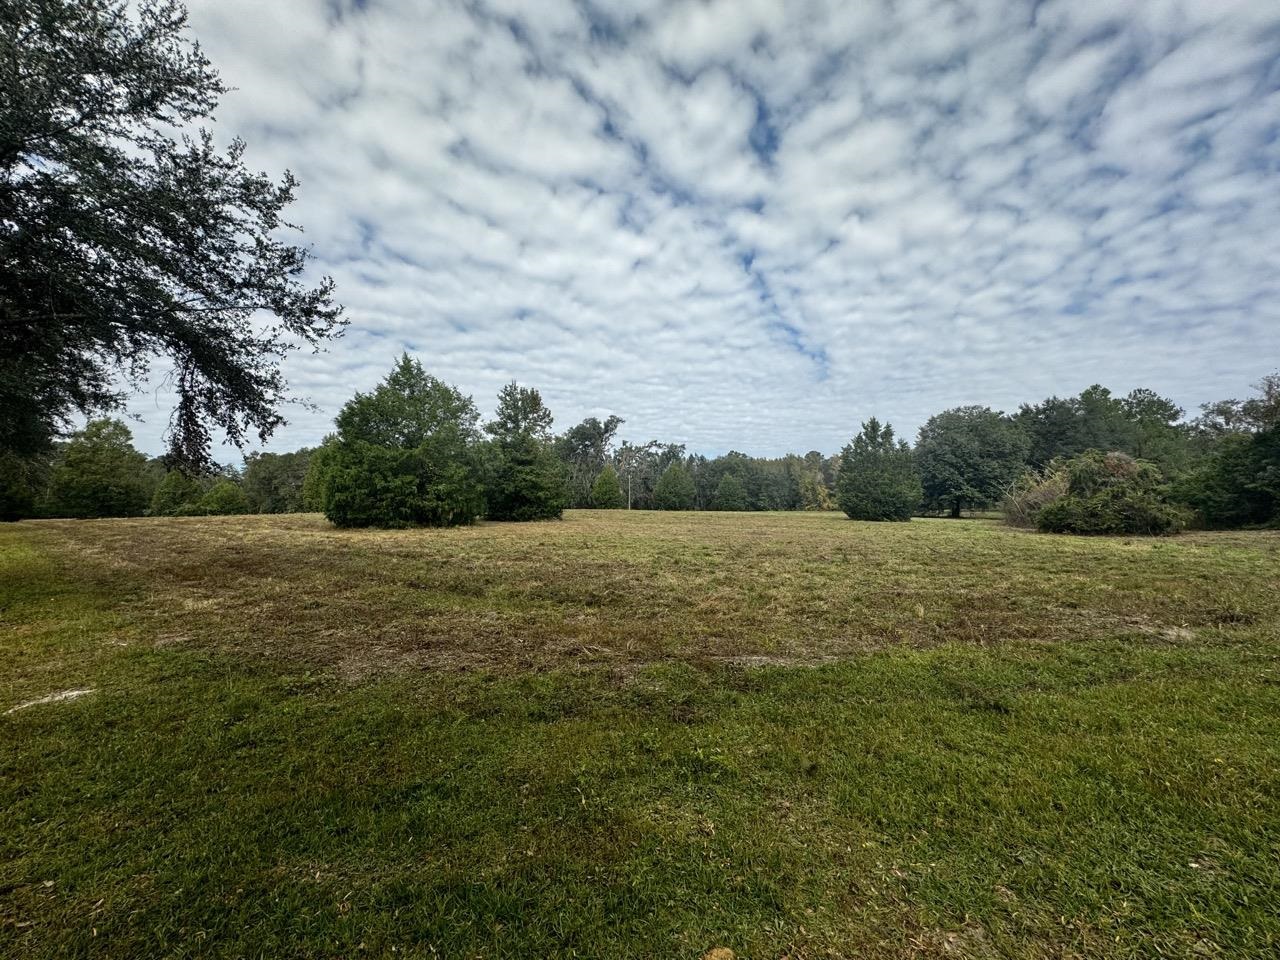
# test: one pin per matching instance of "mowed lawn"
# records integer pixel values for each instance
(637, 735)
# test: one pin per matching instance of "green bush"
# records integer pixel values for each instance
(1110, 493)
(177, 496)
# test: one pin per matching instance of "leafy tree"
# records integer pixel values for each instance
(525, 479)
(813, 492)
(968, 457)
(273, 482)
(1110, 493)
(126, 235)
(405, 454)
(606, 492)
(584, 450)
(1142, 424)
(177, 495)
(878, 479)
(1237, 480)
(22, 484)
(100, 474)
(225, 498)
(675, 490)
(731, 494)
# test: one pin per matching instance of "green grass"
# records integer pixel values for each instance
(638, 735)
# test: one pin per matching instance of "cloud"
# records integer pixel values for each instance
(753, 224)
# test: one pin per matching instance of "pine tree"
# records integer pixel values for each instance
(878, 479)
(606, 492)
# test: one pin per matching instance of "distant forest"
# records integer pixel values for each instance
(413, 452)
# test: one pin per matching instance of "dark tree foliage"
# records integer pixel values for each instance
(641, 467)
(878, 478)
(1237, 480)
(99, 474)
(1142, 424)
(273, 482)
(404, 455)
(524, 477)
(730, 494)
(123, 239)
(584, 450)
(968, 457)
(675, 490)
(606, 492)
(1111, 493)
(23, 481)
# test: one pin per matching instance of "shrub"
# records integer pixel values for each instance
(878, 479)
(1110, 493)
(1031, 493)
(606, 492)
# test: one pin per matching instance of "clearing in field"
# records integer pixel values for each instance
(637, 734)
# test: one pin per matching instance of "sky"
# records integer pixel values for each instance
(751, 224)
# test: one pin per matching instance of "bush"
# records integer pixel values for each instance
(878, 478)
(1031, 493)
(730, 493)
(1110, 493)
(606, 492)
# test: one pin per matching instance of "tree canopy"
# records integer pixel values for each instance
(968, 457)
(127, 235)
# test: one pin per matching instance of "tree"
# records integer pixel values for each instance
(525, 479)
(126, 235)
(100, 474)
(177, 495)
(878, 479)
(404, 455)
(606, 492)
(813, 491)
(22, 484)
(584, 450)
(1236, 482)
(675, 490)
(273, 482)
(968, 457)
(730, 493)
(225, 498)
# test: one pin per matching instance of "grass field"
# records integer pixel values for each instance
(637, 735)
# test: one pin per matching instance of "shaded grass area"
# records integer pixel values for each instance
(1101, 782)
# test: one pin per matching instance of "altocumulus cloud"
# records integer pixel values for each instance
(752, 223)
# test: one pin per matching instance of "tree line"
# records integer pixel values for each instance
(413, 451)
